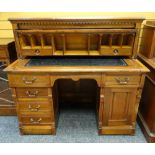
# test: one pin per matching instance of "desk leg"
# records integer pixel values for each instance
(101, 105)
(53, 110)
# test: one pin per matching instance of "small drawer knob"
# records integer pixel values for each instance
(37, 52)
(115, 51)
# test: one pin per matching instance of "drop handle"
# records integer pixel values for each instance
(115, 51)
(31, 94)
(123, 82)
(34, 109)
(28, 81)
(35, 121)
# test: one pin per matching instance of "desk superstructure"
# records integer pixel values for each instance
(44, 46)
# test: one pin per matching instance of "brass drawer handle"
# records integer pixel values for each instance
(34, 109)
(115, 51)
(123, 82)
(35, 121)
(27, 81)
(37, 52)
(31, 94)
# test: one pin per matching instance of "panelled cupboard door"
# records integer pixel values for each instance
(119, 106)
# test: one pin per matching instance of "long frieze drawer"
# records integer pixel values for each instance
(122, 80)
(31, 92)
(37, 129)
(36, 120)
(34, 106)
(29, 81)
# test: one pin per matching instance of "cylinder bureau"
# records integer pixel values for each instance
(100, 49)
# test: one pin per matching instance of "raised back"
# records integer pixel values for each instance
(77, 36)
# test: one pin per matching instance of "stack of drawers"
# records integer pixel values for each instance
(33, 96)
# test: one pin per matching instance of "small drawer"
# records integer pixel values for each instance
(122, 80)
(29, 81)
(37, 129)
(24, 113)
(36, 120)
(116, 51)
(31, 92)
(37, 52)
(34, 106)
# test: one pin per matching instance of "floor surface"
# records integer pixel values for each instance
(75, 126)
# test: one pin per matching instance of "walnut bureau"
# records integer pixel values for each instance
(103, 50)
(147, 104)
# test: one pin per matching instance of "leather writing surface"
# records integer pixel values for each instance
(76, 62)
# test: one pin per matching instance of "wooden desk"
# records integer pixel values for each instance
(118, 88)
(37, 104)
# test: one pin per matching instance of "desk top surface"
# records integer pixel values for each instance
(123, 65)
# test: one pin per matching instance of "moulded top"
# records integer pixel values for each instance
(76, 22)
(80, 18)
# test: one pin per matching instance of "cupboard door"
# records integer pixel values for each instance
(119, 106)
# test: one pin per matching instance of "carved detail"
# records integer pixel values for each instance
(73, 22)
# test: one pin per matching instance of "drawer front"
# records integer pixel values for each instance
(3, 53)
(116, 51)
(36, 120)
(35, 113)
(31, 92)
(36, 52)
(29, 81)
(37, 129)
(34, 106)
(122, 80)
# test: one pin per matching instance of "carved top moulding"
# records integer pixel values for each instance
(76, 22)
